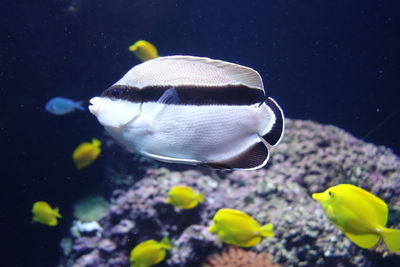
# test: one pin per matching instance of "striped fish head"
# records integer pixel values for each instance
(114, 113)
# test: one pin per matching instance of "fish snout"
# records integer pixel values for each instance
(94, 108)
(317, 196)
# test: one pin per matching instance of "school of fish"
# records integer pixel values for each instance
(199, 111)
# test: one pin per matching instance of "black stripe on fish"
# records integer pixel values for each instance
(189, 95)
(255, 156)
(274, 136)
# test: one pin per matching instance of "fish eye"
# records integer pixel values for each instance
(115, 92)
(330, 193)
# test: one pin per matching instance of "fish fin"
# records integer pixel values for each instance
(275, 134)
(35, 219)
(252, 242)
(96, 142)
(52, 222)
(170, 159)
(169, 97)
(267, 230)
(78, 106)
(57, 213)
(191, 204)
(195, 70)
(160, 256)
(200, 197)
(166, 243)
(365, 240)
(212, 228)
(391, 238)
(256, 156)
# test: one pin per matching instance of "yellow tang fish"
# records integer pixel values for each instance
(359, 214)
(86, 153)
(149, 253)
(43, 213)
(184, 197)
(144, 50)
(237, 228)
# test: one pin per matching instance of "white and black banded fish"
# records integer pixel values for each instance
(192, 110)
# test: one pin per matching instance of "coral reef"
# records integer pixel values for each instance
(310, 158)
(237, 257)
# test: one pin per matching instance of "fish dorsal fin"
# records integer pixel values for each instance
(235, 214)
(190, 71)
(377, 204)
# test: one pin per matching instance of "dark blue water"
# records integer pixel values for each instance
(335, 62)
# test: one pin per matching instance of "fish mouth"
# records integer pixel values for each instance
(317, 196)
(94, 108)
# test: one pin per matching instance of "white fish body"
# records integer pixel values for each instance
(190, 117)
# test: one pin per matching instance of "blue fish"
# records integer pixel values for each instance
(62, 106)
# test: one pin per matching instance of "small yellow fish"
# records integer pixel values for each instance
(237, 228)
(43, 213)
(359, 214)
(149, 253)
(184, 197)
(144, 50)
(86, 153)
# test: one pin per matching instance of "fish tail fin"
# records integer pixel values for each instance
(79, 105)
(96, 142)
(212, 228)
(267, 230)
(391, 238)
(200, 197)
(166, 243)
(57, 212)
(272, 126)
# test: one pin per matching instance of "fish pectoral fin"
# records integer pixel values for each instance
(364, 240)
(169, 97)
(254, 157)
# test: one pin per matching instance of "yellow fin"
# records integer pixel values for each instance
(160, 257)
(166, 243)
(56, 212)
(267, 230)
(191, 204)
(213, 228)
(391, 238)
(96, 142)
(200, 197)
(252, 242)
(53, 222)
(365, 240)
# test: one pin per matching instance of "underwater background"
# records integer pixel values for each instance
(334, 63)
